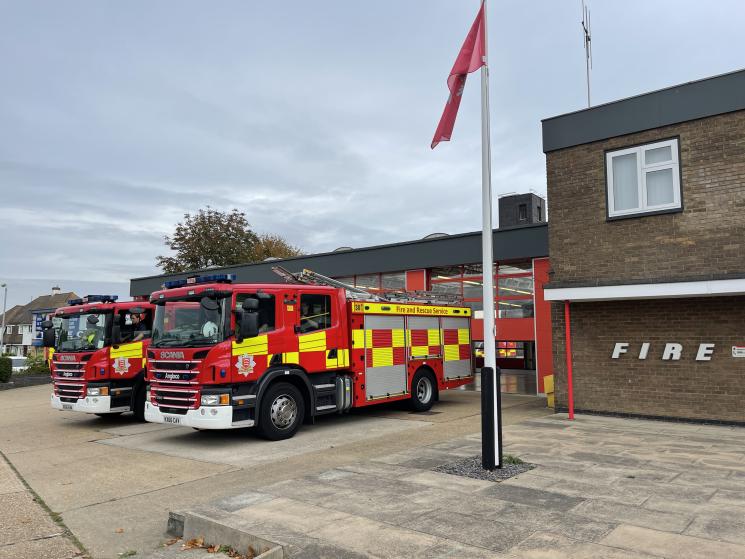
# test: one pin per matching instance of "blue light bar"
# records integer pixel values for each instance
(93, 299)
(216, 278)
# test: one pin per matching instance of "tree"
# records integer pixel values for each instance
(213, 238)
(271, 245)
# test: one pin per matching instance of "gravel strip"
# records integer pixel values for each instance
(471, 467)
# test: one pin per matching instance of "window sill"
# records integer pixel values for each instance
(644, 214)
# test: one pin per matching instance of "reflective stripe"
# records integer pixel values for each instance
(464, 336)
(312, 342)
(254, 346)
(382, 357)
(128, 351)
(408, 309)
(291, 357)
(358, 338)
(397, 337)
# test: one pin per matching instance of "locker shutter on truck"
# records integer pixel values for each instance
(456, 345)
(423, 337)
(385, 356)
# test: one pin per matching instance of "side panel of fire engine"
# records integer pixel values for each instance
(456, 344)
(385, 356)
(423, 337)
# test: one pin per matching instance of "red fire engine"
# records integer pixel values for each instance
(98, 348)
(229, 355)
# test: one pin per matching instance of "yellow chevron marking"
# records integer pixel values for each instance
(433, 336)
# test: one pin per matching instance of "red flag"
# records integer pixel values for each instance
(470, 58)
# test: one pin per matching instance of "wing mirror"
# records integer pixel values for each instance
(116, 330)
(48, 335)
(247, 320)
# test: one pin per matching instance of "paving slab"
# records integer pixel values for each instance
(727, 525)
(534, 497)
(617, 512)
(244, 449)
(550, 545)
(674, 546)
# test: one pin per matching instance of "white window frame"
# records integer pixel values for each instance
(642, 169)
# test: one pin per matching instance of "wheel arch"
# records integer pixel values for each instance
(296, 376)
(435, 385)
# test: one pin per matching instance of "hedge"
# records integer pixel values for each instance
(6, 369)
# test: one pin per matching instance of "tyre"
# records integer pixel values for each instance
(138, 405)
(281, 412)
(423, 390)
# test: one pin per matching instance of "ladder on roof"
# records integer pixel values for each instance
(309, 277)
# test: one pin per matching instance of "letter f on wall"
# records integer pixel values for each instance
(620, 348)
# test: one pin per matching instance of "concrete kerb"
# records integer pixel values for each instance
(218, 527)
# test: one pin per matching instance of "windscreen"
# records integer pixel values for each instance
(188, 324)
(82, 332)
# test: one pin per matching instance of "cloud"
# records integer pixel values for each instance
(313, 118)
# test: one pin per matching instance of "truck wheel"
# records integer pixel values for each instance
(423, 390)
(139, 403)
(281, 412)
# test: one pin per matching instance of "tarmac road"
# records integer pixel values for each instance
(114, 480)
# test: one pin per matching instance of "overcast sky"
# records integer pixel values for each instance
(315, 118)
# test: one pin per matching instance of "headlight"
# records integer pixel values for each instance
(98, 391)
(215, 399)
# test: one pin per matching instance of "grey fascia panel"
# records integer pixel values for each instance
(515, 243)
(699, 99)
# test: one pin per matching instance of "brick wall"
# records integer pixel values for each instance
(683, 389)
(706, 240)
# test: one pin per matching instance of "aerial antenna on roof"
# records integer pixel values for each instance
(586, 32)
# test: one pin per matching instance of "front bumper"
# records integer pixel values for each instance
(205, 417)
(89, 404)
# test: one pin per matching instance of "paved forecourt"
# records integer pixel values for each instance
(602, 487)
(114, 480)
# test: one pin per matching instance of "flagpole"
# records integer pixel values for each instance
(490, 354)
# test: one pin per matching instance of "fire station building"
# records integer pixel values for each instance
(450, 264)
(647, 246)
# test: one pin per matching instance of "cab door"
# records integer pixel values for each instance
(252, 356)
(318, 331)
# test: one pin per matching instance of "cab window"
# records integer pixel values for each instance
(315, 312)
(267, 309)
(135, 326)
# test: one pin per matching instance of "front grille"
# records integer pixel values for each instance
(173, 385)
(68, 390)
(66, 369)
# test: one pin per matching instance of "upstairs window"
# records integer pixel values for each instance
(643, 179)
